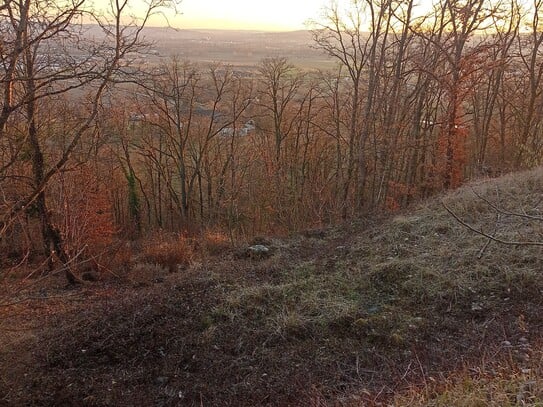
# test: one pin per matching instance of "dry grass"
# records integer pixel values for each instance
(216, 243)
(499, 381)
(173, 253)
(412, 310)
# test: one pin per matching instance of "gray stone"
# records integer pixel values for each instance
(162, 380)
(258, 251)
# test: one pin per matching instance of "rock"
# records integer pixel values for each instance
(477, 306)
(162, 380)
(257, 252)
(374, 309)
(524, 357)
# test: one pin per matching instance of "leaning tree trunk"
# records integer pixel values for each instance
(52, 239)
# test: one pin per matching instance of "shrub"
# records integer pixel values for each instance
(215, 243)
(172, 253)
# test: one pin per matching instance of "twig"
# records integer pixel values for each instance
(483, 249)
(63, 268)
(488, 236)
(12, 269)
(55, 272)
(504, 212)
(407, 371)
(38, 299)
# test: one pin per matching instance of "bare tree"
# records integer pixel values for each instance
(46, 53)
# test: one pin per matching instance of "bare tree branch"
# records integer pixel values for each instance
(487, 235)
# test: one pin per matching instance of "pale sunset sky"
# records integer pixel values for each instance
(267, 15)
(264, 15)
(248, 14)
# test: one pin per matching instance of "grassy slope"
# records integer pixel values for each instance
(414, 309)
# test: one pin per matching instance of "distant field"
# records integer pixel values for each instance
(239, 48)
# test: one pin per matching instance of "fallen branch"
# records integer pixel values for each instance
(504, 212)
(489, 236)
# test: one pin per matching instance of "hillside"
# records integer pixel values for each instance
(409, 309)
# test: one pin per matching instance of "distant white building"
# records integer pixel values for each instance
(248, 128)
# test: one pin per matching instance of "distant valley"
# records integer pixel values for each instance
(238, 48)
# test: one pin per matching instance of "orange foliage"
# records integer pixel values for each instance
(397, 193)
(452, 151)
(87, 214)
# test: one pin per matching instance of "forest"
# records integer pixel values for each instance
(98, 145)
(361, 232)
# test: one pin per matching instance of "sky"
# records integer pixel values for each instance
(265, 15)
(276, 15)
(262, 15)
